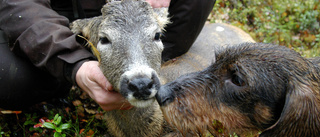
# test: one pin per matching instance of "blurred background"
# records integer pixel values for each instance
(291, 23)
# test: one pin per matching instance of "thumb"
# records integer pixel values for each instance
(103, 81)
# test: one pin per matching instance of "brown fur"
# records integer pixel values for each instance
(250, 88)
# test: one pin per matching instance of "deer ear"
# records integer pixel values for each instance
(300, 114)
(161, 15)
(89, 28)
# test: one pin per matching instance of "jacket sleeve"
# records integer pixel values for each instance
(39, 34)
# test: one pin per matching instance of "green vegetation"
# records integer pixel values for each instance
(76, 115)
(291, 23)
(56, 125)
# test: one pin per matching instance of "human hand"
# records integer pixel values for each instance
(91, 80)
(159, 3)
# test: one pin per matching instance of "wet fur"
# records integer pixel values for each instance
(251, 88)
(130, 26)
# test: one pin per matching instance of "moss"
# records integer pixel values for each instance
(291, 23)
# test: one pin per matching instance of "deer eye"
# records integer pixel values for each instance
(237, 80)
(157, 36)
(104, 40)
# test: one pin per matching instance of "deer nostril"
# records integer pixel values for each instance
(141, 85)
(150, 85)
(133, 87)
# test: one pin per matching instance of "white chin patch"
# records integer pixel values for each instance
(141, 103)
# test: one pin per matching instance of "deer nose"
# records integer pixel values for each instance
(141, 87)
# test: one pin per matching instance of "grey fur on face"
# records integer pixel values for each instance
(126, 38)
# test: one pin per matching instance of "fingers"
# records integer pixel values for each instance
(99, 78)
(91, 80)
(115, 101)
(159, 3)
(94, 74)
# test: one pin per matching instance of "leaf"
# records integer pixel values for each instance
(77, 103)
(90, 133)
(90, 111)
(28, 122)
(49, 125)
(58, 129)
(57, 122)
(67, 109)
(284, 14)
(81, 131)
(57, 134)
(37, 125)
(41, 120)
(65, 126)
(55, 117)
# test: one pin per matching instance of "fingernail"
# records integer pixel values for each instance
(108, 87)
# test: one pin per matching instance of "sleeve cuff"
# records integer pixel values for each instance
(71, 70)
